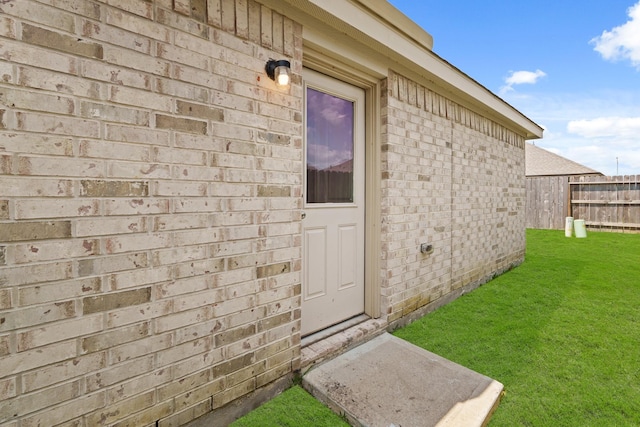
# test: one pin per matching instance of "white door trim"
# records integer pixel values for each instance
(334, 202)
(370, 82)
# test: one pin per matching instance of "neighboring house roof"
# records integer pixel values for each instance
(540, 162)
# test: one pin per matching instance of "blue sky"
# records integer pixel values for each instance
(572, 67)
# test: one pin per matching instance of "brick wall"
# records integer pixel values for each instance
(149, 203)
(451, 178)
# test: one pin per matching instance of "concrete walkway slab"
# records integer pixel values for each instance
(390, 382)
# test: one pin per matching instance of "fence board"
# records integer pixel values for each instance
(547, 202)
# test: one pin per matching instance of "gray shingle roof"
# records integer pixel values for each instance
(540, 162)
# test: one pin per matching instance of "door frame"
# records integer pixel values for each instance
(320, 62)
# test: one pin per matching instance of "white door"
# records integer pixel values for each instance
(333, 223)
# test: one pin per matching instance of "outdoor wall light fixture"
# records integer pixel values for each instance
(279, 71)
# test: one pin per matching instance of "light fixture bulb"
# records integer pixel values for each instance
(282, 76)
(279, 72)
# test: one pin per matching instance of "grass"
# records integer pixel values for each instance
(561, 332)
(293, 408)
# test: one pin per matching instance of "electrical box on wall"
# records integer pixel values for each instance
(426, 248)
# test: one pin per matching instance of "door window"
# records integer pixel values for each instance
(330, 148)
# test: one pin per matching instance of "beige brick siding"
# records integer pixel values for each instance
(453, 179)
(150, 182)
(150, 203)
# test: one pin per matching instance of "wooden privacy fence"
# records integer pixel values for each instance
(604, 202)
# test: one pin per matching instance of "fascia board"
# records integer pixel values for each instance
(360, 20)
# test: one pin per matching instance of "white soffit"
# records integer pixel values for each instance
(388, 33)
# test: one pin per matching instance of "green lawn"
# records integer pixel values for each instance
(561, 332)
(293, 408)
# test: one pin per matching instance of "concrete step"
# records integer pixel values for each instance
(390, 382)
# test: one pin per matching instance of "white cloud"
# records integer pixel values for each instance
(604, 126)
(607, 144)
(622, 42)
(606, 158)
(521, 77)
(620, 127)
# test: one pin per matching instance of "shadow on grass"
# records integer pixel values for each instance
(490, 322)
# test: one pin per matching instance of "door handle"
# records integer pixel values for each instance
(303, 215)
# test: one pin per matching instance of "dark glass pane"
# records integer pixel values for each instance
(329, 148)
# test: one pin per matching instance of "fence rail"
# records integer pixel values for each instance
(607, 203)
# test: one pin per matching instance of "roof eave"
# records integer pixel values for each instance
(378, 24)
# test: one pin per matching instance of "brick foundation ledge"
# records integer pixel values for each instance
(224, 416)
(340, 342)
